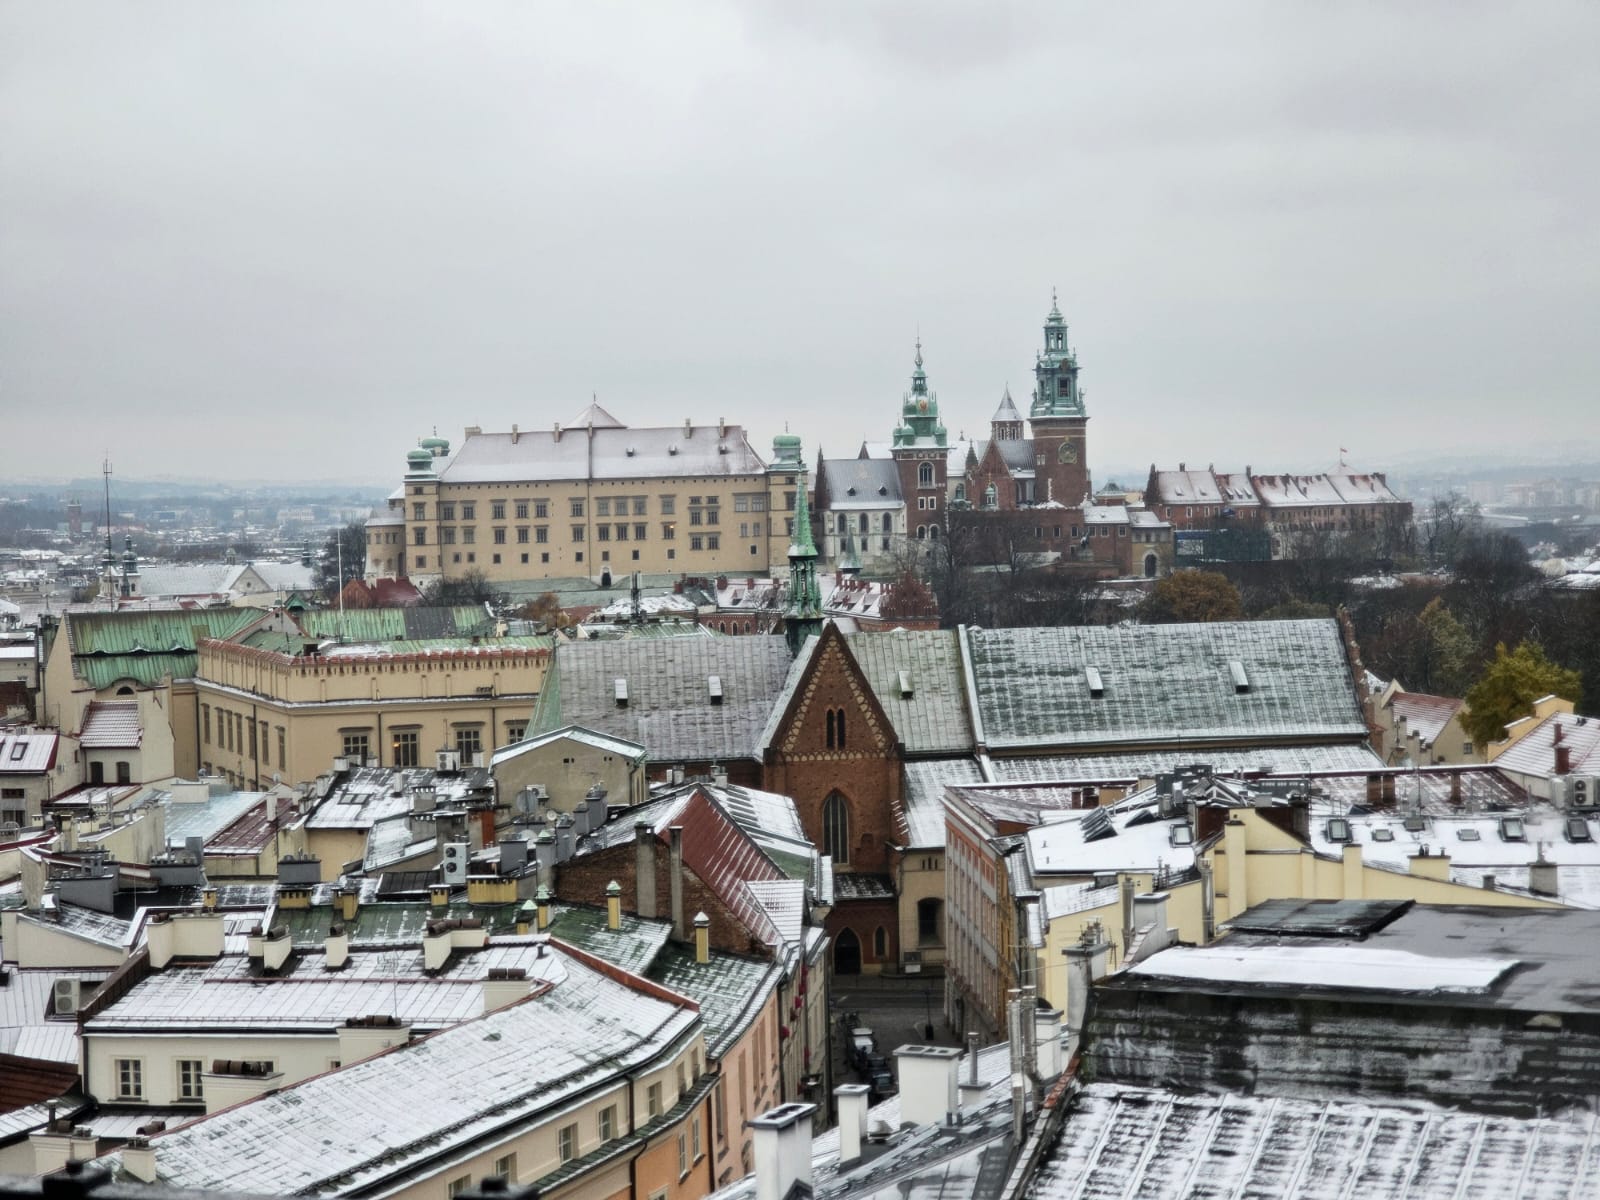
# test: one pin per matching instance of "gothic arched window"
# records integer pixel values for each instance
(925, 475)
(835, 727)
(836, 828)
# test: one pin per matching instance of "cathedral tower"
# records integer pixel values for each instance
(1058, 418)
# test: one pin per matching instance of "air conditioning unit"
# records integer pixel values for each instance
(478, 759)
(1583, 791)
(64, 997)
(447, 761)
(453, 858)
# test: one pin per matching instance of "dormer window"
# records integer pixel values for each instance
(1241, 681)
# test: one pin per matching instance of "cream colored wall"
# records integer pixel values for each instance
(335, 847)
(297, 1055)
(921, 878)
(33, 945)
(1542, 708)
(568, 768)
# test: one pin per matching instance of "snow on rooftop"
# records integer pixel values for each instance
(1339, 966)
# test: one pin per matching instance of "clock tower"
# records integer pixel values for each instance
(1058, 418)
(920, 447)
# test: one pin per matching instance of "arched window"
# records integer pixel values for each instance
(925, 475)
(835, 723)
(124, 690)
(846, 956)
(863, 522)
(933, 531)
(888, 523)
(836, 828)
(880, 943)
(922, 532)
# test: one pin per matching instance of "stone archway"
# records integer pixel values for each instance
(847, 953)
(1151, 565)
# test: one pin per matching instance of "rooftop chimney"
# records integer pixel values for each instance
(927, 1078)
(675, 882)
(542, 909)
(335, 947)
(971, 1090)
(613, 905)
(644, 868)
(1544, 876)
(139, 1159)
(275, 948)
(1563, 760)
(851, 1101)
(1048, 1058)
(702, 938)
(783, 1151)
(505, 985)
(160, 939)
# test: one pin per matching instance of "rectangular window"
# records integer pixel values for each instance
(713, 541)
(577, 507)
(405, 748)
(567, 1142)
(205, 723)
(130, 1078)
(469, 511)
(639, 531)
(602, 506)
(522, 510)
(190, 1086)
(541, 509)
(422, 561)
(419, 537)
(694, 1136)
(741, 503)
(497, 510)
(514, 732)
(505, 1167)
(468, 743)
(541, 534)
(641, 506)
(683, 1156)
(447, 536)
(499, 535)
(608, 1122)
(283, 749)
(496, 558)
(602, 533)
(253, 754)
(669, 530)
(419, 512)
(457, 1185)
(669, 505)
(355, 746)
(522, 535)
(697, 516)
(577, 533)
(544, 557)
(622, 532)
(696, 542)
(469, 535)
(447, 510)
(711, 515)
(653, 1101)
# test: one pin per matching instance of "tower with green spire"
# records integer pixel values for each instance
(921, 452)
(1058, 417)
(802, 616)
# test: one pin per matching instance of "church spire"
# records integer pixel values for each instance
(919, 411)
(802, 616)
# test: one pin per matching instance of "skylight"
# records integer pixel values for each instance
(1469, 835)
(1511, 830)
(1578, 830)
(1339, 830)
(1097, 686)
(1241, 681)
(1416, 824)
(1383, 834)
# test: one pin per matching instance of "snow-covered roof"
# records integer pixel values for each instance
(611, 452)
(1132, 1141)
(573, 733)
(1333, 964)
(860, 483)
(111, 725)
(1186, 487)
(27, 751)
(1119, 837)
(491, 1077)
(1424, 715)
(1534, 753)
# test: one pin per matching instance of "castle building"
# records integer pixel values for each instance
(592, 499)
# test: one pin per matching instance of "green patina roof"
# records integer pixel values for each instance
(633, 947)
(389, 924)
(729, 989)
(386, 624)
(146, 646)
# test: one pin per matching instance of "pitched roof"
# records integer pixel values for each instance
(605, 452)
(111, 725)
(1534, 753)
(1163, 683)
(1007, 410)
(1424, 715)
(860, 483)
(669, 707)
(350, 1129)
(27, 751)
(575, 733)
(916, 677)
(146, 644)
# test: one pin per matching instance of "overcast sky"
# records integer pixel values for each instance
(274, 240)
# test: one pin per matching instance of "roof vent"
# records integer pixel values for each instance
(905, 685)
(1241, 681)
(882, 490)
(1098, 825)
(672, 449)
(1097, 685)
(621, 687)
(714, 688)
(630, 452)
(850, 491)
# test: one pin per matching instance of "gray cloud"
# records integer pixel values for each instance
(263, 239)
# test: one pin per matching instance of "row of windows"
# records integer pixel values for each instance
(129, 1074)
(236, 731)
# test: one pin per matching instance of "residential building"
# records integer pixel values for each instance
(1413, 727)
(32, 768)
(1553, 752)
(594, 498)
(569, 765)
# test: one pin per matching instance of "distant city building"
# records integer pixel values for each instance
(593, 499)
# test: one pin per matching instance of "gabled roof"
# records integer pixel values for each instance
(1424, 715)
(27, 751)
(916, 677)
(605, 452)
(1185, 487)
(574, 733)
(860, 483)
(1534, 753)
(1007, 410)
(1163, 683)
(594, 415)
(669, 707)
(111, 725)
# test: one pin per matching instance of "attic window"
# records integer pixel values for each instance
(882, 490)
(1383, 834)
(1241, 681)
(714, 688)
(850, 491)
(905, 685)
(1578, 830)
(1097, 686)
(622, 693)
(21, 748)
(1469, 835)
(1339, 830)
(1511, 830)
(1181, 835)
(1415, 824)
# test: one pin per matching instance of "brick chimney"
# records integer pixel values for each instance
(644, 869)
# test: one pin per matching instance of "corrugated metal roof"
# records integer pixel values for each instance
(669, 710)
(388, 624)
(351, 1128)
(932, 718)
(731, 991)
(28, 752)
(146, 644)
(1164, 683)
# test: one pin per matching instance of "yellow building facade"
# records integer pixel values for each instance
(264, 715)
(594, 498)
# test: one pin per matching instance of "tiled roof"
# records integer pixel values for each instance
(351, 1129)
(861, 483)
(111, 725)
(730, 990)
(669, 709)
(1534, 753)
(1163, 683)
(925, 782)
(610, 453)
(1129, 1141)
(587, 737)
(1186, 487)
(1424, 715)
(1147, 764)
